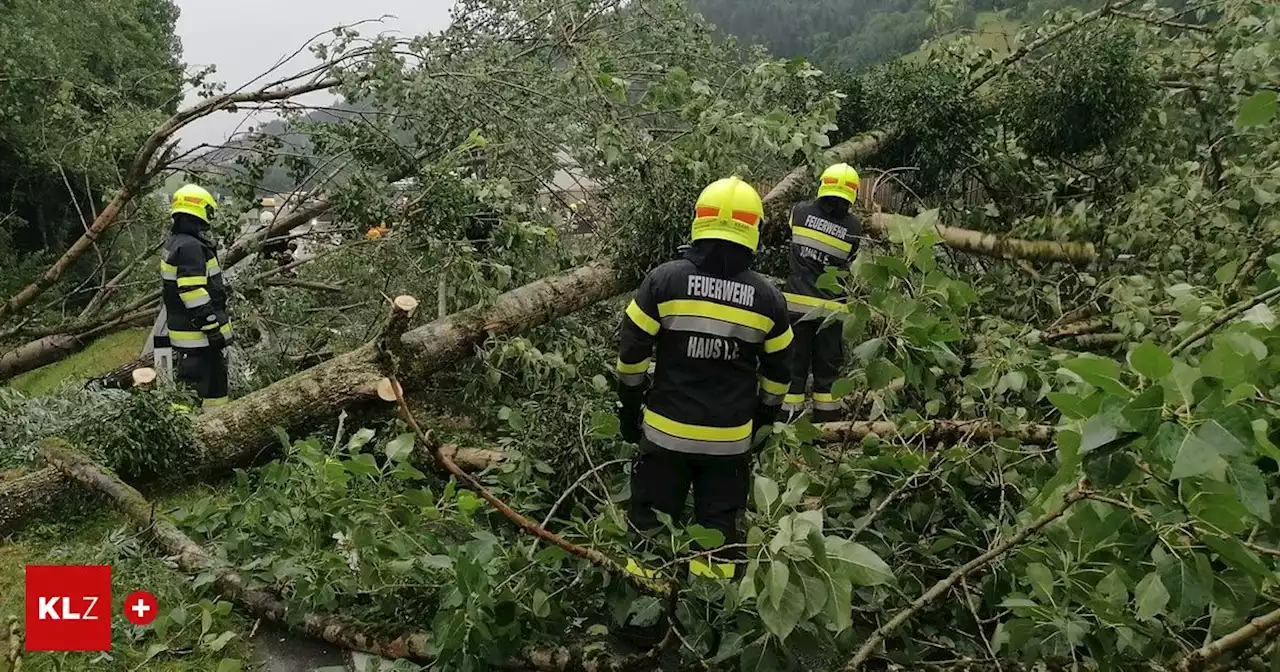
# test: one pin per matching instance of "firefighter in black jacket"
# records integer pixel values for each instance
(719, 337)
(195, 297)
(823, 233)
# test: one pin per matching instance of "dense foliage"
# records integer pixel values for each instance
(1116, 512)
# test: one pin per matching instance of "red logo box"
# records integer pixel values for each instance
(68, 607)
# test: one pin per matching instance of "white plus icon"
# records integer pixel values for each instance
(141, 608)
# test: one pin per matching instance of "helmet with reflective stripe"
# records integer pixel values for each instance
(731, 210)
(194, 200)
(841, 181)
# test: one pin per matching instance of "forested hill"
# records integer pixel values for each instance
(855, 34)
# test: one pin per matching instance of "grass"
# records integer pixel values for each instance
(101, 356)
(178, 641)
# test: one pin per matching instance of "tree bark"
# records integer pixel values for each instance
(31, 494)
(192, 558)
(991, 245)
(243, 432)
(942, 431)
(801, 177)
(50, 349)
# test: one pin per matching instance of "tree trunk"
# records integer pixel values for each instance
(941, 431)
(991, 245)
(853, 150)
(31, 494)
(243, 431)
(193, 559)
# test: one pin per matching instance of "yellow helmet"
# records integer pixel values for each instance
(731, 210)
(194, 200)
(841, 181)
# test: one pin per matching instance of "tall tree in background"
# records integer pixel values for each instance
(83, 82)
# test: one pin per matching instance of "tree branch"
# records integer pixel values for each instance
(433, 449)
(1223, 318)
(942, 587)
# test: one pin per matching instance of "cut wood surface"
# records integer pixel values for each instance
(193, 559)
(936, 431)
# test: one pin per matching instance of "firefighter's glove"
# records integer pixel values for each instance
(763, 424)
(629, 423)
(217, 340)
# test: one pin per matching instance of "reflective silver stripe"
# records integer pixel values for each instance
(820, 246)
(793, 407)
(184, 342)
(708, 325)
(827, 405)
(665, 440)
(168, 275)
(210, 272)
(809, 312)
(631, 379)
(769, 399)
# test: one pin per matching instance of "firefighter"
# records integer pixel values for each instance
(719, 338)
(823, 233)
(195, 297)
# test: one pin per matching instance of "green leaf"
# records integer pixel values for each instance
(541, 608)
(1216, 504)
(604, 425)
(841, 388)
(1041, 580)
(1097, 432)
(1102, 373)
(868, 349)
(1150, 361)
(1250, 487)
(1238, 555)
(1112, 588)
(1257, 109)
(1188, 581)
(1227, 272)
(400, 448)
(230, 665)
(782, 618)
(1151, 596)
(1070, 405)
(221, 641)
(815, 594)
(779, 575)
(705, 537)
(880, 372)
(1195, 457)
(359, 439)
(1145, 411)
(765, 491)
(1109, 468)
(863, 566)
(796, 487)
(154, 650)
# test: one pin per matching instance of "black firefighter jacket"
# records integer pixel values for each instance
(818, 239)
(720, 349)
(194, 293)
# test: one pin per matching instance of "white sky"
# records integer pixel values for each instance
(244, 38)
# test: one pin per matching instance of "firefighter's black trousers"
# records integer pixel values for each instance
(661, 480)
(204, 370)
(820, 351)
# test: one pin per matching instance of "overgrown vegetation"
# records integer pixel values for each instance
(1142, 536)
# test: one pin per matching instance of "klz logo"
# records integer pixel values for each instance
(68, 608)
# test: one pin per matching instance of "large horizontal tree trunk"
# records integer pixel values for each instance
(50, 349)
(243, 431)
(991, 245)
(939, 431)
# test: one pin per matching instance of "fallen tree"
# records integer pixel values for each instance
(940, 431)
(992, 245)
(244, 431)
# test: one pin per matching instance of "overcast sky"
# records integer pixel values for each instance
(244, 38)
